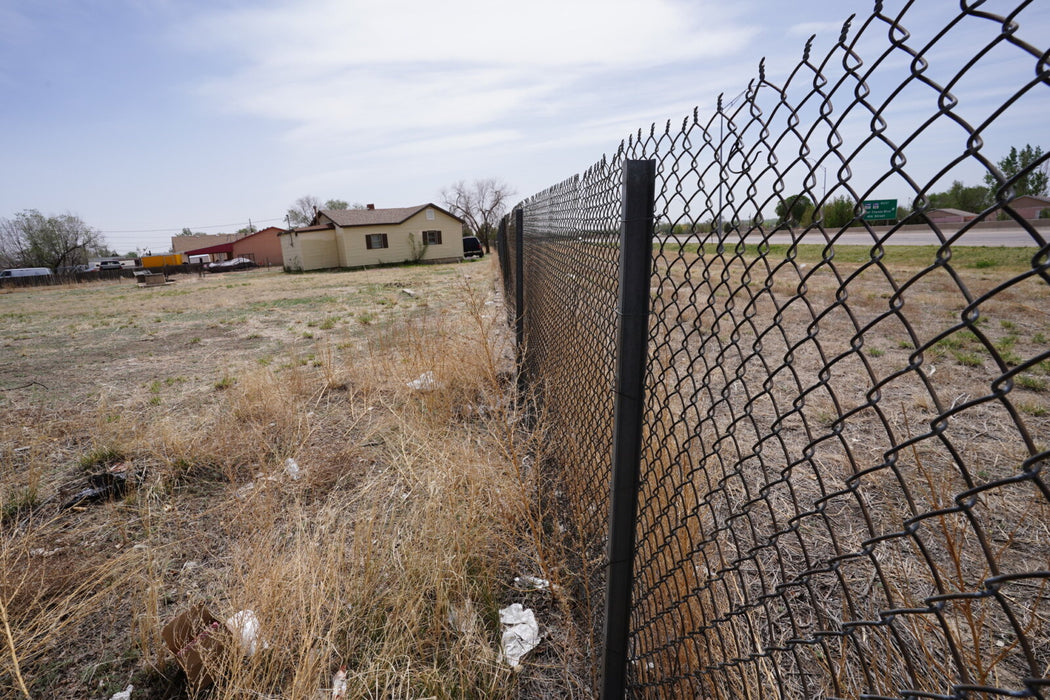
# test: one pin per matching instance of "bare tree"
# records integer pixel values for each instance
(302, 212)
(30, 239)
(480, 204)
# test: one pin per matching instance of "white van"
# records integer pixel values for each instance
(26, 272)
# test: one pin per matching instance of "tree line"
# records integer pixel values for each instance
(1026, 168)
(31, 239)
(1028, 165)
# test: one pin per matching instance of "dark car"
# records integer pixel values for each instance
(233, 264)
(472, 247)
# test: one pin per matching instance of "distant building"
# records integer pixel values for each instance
(182, 244)
(366, 237)
(1029, 206)
(264, 247)
(949, 216)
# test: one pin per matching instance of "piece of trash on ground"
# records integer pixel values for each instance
(244, 626)
(339, 684)
(197, 639)
(532, 583)
(425, 382)
(291, 468)
(110, 484)
(521, 634)
(124, 694)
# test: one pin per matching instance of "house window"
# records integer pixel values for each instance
(374, 241)
(430, 214)
(432, 237)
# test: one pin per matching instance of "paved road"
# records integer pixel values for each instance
(1010, 237)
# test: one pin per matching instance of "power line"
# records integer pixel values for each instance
(179, 229)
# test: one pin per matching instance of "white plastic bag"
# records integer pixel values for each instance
(521, 634)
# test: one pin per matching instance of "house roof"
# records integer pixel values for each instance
(954, 212)
(375, 217)
(305, 229)
(1033, 197)
(266, 230)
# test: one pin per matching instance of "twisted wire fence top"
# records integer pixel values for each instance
(844, 490)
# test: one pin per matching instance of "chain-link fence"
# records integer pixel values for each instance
(842, 486)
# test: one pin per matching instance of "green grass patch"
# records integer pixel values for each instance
(26, 499)
(1006, 342)
(291, 302)
(1033, 409)
(1010, 358)
(1027, 381)
(969, 359)
(101, 456)
(973, 257)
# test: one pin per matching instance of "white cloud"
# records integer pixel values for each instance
(807, 29)
(335, 70)
(321, 35)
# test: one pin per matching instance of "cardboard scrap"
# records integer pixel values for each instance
(197, 639)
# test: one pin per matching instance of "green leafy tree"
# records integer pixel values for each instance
(959, 196)
(1029, 161)
(839, 212)
(793, 210)
(30, 239)
(337, 204)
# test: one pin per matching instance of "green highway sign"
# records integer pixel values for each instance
(880, 209)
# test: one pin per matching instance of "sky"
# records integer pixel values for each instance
(143, 117)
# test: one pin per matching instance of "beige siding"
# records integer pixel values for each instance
(400, 239)
(314, 250)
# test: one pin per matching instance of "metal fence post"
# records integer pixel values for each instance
(639, 184)
(519, 279)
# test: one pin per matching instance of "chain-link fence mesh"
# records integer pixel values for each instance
(843, 486)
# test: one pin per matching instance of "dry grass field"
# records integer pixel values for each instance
(845, 484)
(387, 548)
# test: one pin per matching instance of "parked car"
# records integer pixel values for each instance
(472, 247)
(232, 264)
(110, 265)
(26, 272)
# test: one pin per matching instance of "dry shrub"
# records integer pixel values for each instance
(377, 575)
(389, 554)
